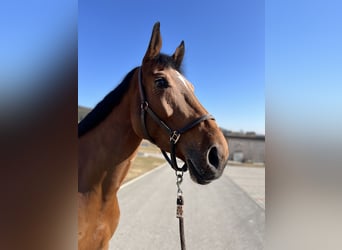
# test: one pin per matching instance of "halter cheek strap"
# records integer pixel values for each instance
(174, 135)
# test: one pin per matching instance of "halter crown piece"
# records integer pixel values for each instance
(173, 134)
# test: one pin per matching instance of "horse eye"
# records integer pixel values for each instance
(161, 83)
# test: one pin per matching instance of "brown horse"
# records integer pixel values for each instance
(152, 99)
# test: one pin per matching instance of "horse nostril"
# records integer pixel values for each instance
(213, 157)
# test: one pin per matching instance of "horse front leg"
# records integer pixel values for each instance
(110, 221)
(115, 215)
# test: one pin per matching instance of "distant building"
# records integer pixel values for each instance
(245, 147)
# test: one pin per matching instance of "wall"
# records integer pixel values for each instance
(251, 146)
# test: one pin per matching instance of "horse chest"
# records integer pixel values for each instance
(97, 222)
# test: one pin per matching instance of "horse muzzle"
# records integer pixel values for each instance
(208, 167)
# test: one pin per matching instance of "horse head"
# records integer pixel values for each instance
(171, 99)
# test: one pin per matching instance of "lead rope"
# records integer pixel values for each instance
(179, 212)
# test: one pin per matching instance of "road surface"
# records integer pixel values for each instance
(218, 216)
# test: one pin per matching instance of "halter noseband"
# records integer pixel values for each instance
(174, 134)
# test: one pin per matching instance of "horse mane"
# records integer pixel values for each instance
(111, 100)
(105, 107)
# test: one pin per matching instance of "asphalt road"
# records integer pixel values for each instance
(218, 216)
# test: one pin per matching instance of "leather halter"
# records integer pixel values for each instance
(174, 134)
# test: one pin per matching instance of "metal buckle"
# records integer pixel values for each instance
(144, 105)
(175, 137)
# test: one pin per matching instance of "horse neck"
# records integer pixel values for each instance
(106, 152)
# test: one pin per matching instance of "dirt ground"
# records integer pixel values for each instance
(144, 162)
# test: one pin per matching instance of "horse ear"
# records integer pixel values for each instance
(155, 43)
(179, 54)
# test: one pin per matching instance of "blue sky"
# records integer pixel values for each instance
(224, 55)
(34, 35)
(303, 66)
